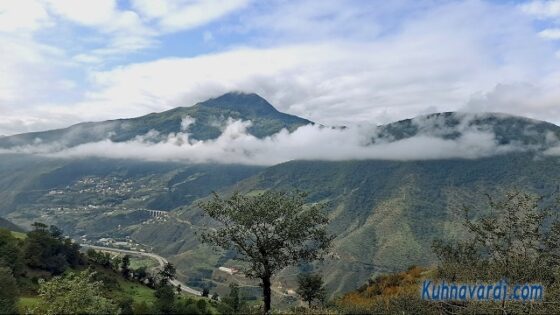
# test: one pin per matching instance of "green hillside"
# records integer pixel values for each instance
(385, 213)
(96, 196)
(46, 273)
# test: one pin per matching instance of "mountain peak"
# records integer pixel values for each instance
(241, 102)
(209, 119)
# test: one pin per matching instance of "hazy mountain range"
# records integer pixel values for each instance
(390, 190)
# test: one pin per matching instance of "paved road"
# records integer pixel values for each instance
(162, 261)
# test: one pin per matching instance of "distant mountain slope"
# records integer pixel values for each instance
(508, 129)
(33, 185)
(5, 224)
(209, 118)
(385, 214)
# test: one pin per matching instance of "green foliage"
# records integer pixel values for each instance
(165, 299)
(168, 272)
(75, 293)
(10, 252)
(519, 240)
(125, 305)
(233, 299)
(142, 308)
(140, 273)
(8, 292)
(100, 258)
(26, 267)
(104, 290)
(191, 306)
(48, 250)
(188, 306)
(167, 302)
(202, 305)
(269, 232)
(125, 266)
(310, 288)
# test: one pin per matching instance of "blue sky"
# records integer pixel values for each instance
(332, 61)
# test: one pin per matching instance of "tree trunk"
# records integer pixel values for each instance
(266, 293)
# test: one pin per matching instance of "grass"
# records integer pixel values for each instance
(256, 192)
(137, 262)
(138, 292)
(19, 235)
(27, 302)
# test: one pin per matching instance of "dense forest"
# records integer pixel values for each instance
(43, 272)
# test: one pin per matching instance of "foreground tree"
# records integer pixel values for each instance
(10, 252)
(268, 232)
(76, 293)
(518, 239)
(205, 292)
(310, 288)
(165, 299)
(233, 299)
(168, 272)
(8, 292)
(47, 249)
(125, 266)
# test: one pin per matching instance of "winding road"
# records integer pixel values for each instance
(162, 261)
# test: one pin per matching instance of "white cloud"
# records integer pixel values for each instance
(91, 13)
(529, 100)
(122, 31)
(310, 142)
(29, 71)
(376, 63)
(174, 15)
(543, 9)
(551, 33)
(21, 15)
(127, 32)
(426, 66)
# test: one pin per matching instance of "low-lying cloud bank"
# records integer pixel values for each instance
(311, 142)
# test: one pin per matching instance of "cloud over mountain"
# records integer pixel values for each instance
(445, 136)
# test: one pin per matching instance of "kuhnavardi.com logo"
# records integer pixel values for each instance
(499, 291)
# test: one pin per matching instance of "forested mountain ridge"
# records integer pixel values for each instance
(507, 129)
(208, 117)
(385, 214)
